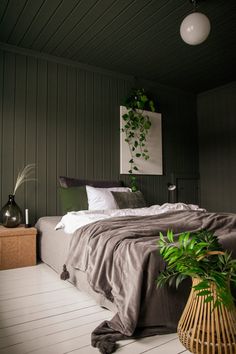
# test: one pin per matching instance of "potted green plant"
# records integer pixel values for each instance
(209, 318)
(136, 126)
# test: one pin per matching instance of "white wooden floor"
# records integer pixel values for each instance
(41, 314)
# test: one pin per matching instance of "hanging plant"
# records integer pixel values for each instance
(136, 126)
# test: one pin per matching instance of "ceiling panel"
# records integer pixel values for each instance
(91, 23)
(48, 9)
(130, 36)
(24, 21)
(9, 17)
(68, 25)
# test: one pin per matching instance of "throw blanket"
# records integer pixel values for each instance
(121, 259)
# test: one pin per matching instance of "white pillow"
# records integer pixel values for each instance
(102, 198)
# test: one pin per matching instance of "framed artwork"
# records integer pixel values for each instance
(152, 166)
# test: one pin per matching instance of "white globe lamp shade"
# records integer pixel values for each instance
(195, 28)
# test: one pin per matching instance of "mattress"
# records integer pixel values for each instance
(53, 246)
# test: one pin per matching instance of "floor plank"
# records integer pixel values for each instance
(144, 344)
(41, 314)
(34, 289)
(30, 310)
(54, 312)
(51, 324)
(36, 299)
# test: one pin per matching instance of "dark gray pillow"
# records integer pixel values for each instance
(129, 200)
(67, 182)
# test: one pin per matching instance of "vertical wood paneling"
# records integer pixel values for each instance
(81, 122)
(71, 122)
(31, 133)
(8, 127)
(217, 148)
(19, 122)
(52, 139)
(41, 131)
(61, 122)
(107, 138)
(113, 108)
(1, 117)
(66, 120)
(98, 127)
(89, 125)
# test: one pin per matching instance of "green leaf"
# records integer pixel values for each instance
(151, 105)
(185, 239)
(209, 299)
(201, 285)
(161, 236)
(170, 236)
(203, 293)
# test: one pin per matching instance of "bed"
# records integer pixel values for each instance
(115, 259)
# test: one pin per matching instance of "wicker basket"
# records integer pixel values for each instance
(205, 331)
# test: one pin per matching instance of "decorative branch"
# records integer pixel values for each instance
(23, 176)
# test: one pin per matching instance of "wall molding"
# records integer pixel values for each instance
(64, 61)
(229, 86)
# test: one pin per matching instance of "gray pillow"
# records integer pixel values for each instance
(129, 200)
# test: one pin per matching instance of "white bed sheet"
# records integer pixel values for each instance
(75, 219)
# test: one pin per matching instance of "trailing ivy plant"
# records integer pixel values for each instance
(136, 126)
(198, 255)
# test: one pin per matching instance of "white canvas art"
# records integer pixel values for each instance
(152, 166)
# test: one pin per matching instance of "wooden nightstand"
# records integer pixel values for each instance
(17, 247)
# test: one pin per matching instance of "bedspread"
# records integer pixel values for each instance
(122, 261)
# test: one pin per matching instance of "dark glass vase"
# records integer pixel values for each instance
(11, 215)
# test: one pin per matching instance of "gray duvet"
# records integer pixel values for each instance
(122, 262)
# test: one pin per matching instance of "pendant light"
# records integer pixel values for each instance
(195, 27)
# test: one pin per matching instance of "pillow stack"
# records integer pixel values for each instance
(76, 194)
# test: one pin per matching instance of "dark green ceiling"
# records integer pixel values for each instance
(139, 37)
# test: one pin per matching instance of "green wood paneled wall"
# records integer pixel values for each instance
(65, 118)
(217, 148)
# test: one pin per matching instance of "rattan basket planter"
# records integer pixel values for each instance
(205, 331)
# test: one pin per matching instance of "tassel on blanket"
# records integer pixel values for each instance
(106, 347)
(65, 274)
(104, 338)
